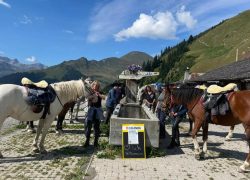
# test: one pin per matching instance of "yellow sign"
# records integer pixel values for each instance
(133, 141)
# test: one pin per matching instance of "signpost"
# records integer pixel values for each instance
(133, 141)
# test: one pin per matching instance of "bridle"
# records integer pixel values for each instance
(89, 89)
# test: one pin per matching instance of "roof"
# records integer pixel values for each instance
(235, 71)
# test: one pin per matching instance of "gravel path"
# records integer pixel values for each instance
(224, 158)
(66, 158)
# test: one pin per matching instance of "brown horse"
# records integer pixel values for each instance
(239, 103)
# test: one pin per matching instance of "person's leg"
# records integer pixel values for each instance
(88, 127)
(177, 132)
(162, 118)
(96, 131)
(172, 143)
(108, 114)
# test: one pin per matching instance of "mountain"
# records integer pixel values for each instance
(106, 70)
(213, 48)
(9, 66)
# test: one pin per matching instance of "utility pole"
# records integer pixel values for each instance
(237, 52)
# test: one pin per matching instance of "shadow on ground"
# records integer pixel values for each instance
(63, 152)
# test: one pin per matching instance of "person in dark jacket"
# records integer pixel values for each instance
(177, 113)
(111, 101)
(94, 114)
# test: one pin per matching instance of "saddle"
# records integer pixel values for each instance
(215, 99)
(41, 84)
(215, 89)
(39, 96)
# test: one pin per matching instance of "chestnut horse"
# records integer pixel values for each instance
(239, 103)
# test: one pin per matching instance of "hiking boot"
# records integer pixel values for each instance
(177, 143)
(172, 144)
(86, 144)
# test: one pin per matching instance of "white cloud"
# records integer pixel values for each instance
(108, 18)
(185, 17)
(5, 4)
(31, 59)
(159, 26)
(25, 20)
(68, 31)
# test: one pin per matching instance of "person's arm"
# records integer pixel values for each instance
(182, 111)
(100, 95)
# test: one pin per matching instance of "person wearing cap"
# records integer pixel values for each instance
(111, 101)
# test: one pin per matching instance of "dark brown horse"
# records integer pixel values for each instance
(239, 103)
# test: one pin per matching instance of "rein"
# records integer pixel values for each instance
(92, 92)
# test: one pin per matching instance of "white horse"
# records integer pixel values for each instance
(13, 104)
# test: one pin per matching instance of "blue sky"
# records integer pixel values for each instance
(51, 31)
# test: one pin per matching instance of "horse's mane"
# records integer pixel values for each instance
(72, 89)
(186, 93)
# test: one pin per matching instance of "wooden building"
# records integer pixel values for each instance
(237, 72)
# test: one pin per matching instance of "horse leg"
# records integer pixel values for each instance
(1, 124)
(46, 127)
(245, 167)
(230, 134)
(190, 127)
(197, 126)
(71, 109)
(204, 138)
(38, 132)
(77, 109)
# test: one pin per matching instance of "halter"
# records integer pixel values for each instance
(89, 89)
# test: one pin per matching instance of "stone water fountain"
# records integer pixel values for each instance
(130, 112)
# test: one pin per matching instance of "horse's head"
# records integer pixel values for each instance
(88, 91)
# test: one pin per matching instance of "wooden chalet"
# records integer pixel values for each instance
(237, 72)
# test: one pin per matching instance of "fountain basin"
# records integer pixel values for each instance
(133, 113)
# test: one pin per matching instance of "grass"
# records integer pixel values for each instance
(14, 128)
(152, 152)
(108, 151)
(78, 172)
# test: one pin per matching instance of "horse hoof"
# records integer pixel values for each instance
(197, 156)
(36, 150)
(228, 139)
(242, 170)
(202, 155)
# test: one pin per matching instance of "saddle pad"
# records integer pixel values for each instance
(40, 84)
(215, 89)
